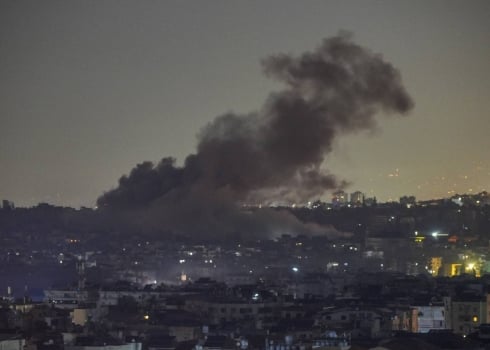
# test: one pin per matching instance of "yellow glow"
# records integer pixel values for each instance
(455, 269)
(436, 264)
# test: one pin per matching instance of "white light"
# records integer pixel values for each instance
(295, 269)
(435, 234)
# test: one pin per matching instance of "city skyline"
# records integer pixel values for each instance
(89, 90)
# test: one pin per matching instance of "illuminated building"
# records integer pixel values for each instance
(339, 199)
(435, 265)
(357, 198)
(430, 317)
(468, 313)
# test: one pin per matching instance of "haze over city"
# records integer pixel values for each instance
(244, 175)
(90, 89)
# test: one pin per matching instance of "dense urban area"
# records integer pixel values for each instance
(408, 272)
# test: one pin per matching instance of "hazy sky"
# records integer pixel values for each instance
(88, 89)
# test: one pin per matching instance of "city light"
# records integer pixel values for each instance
(204, 237)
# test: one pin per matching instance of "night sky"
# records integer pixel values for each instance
(88, 89)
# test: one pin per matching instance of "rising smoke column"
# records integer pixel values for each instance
(276, 153)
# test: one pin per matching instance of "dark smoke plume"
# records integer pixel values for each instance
(276, 153)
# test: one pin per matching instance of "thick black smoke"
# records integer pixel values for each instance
(276, 153)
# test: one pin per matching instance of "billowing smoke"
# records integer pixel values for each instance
(275, 154)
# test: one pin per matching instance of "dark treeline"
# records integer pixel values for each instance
(381, 220)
